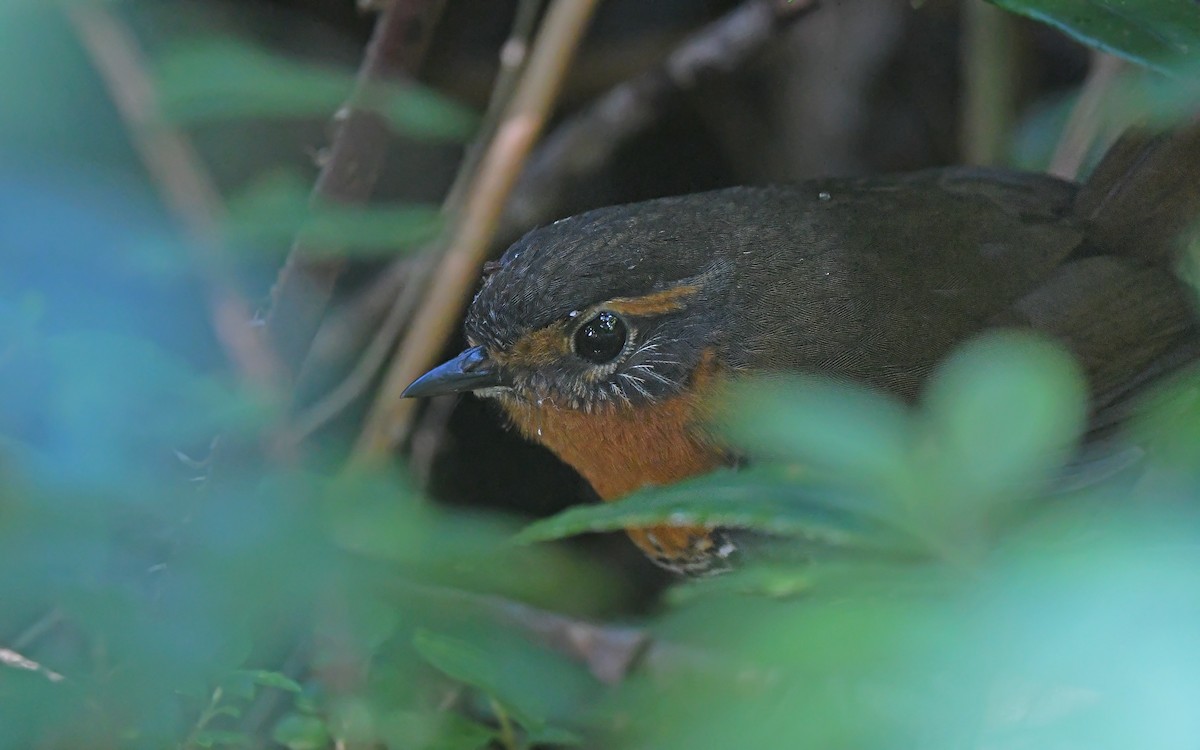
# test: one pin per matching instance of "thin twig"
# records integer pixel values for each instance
(575, 150)
(536, 92)
(991, 52)
(314, 417)
(403, 282)
(14, 660)
(347, 330)
(348, 176)
(1086, 124)
(427, 438)
(182, 178)
(44, 624)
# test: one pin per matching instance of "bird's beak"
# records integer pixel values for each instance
(469, 371)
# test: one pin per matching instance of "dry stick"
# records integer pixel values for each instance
(183, 180)
(355, 159)
(579, 147)
(348, 329)
(403, 290)
(991, 52)
(1085, 124)
(535, 94)
(359, 379)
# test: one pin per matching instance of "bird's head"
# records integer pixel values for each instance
(606, 310)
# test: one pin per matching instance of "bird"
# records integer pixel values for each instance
(604, 335)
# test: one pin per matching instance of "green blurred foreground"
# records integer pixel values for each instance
(946, 583)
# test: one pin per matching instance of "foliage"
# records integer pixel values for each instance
(1158, 33)
(936, 582)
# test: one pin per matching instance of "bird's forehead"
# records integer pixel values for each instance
(572, 264)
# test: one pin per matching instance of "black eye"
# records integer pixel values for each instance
(602, 338)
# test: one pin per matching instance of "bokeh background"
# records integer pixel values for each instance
(220, 231)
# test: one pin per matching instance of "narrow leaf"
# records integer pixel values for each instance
(1162, 34)
(768, 500)
(218, 79)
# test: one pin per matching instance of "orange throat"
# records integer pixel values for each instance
(619, 449)
(622, 449)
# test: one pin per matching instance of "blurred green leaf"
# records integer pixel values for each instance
(265, 678)
(476, 668)
(219, 738)
(1158, 33)
(767, 580)
(441, 731)
(553, 736)
(766, 499)
(276, 210)
(301, 732)
(220, 79)
(826, 426)
(999, 415)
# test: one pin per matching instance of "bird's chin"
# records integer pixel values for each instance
(496, 391)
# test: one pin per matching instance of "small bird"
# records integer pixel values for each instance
(603, 335)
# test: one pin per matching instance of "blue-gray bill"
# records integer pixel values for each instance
(469, 371)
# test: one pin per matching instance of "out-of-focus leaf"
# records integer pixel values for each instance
(1038, 131)
(823, 425)
(219, 79)
(265, 678)
(301, 732)
(1170, 426)
(442, 731)
(379, 517)
(220, 738)
(1000, 414)
(1158, 33)
(472, 666)
(457, 659)
(553, 736)
(775, 581)
(769, 500)
(276, 210)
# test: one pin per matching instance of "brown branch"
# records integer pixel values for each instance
(350, 172)
(325, 409)
(471, 238)
(183, 181)
(348, 329)
(581, 146)
(1086, 122)
(400, 285)
(991, 53)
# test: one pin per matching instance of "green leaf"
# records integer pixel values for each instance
(825, 425)
(218, 79)
(768, 580)
(233, 712)
(766, 499)
(1161, 34)
(274, 680)
(550, 735)
(457, 659)
(441, 731)
(300, 732)
(1001, 413)
(219, 738)
(275, 210)
(240, 684)
(471, 666)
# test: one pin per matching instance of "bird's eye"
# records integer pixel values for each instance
(602, 338)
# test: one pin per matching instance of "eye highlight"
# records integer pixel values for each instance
(601, 339)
